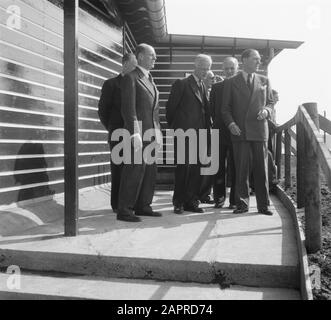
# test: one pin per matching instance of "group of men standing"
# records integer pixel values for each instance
(238, 107)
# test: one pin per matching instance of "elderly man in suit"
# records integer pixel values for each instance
(140, 111)
(246, 106)
(111, 118)
(226, 166)
(188, 108)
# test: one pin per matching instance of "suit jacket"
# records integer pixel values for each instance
(241, 106)
(186, 108)
(140, 103)
(110, 104)
(216, 95)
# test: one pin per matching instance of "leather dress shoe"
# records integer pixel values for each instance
(207, 200)
(195, 209)
(240, 210)
(128, 217)
(266, 212)
(219, 203)
(178, 209)
(148, 213)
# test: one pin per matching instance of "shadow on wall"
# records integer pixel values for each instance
(37, 175)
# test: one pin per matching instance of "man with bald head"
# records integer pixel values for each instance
(246, 106)
(110, 115)
(226, 166)
(188, 108)
(140, 112)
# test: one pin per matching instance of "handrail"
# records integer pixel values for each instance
(286, 125)
(325, 124)
(311, 155)
(317, 143)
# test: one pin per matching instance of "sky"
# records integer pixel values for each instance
(299, 75)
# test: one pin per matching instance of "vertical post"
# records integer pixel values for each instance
(125, 49)
(278, 153)
(70, 117)
(287, 159)
(313, 219)
(300, 131)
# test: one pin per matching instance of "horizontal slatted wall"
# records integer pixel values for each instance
(174, 63)
(129, 41)
(31, 99)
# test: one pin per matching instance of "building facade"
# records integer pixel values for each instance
(32, 77)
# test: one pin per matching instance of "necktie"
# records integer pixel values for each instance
(200, 86)
(249, 81)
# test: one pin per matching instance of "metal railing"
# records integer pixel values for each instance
(311, 156)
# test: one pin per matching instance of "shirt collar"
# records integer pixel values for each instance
(144, 71)
(198, 81)
(245, 75)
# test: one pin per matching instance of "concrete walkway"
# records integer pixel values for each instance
(213, 247)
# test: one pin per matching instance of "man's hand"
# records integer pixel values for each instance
(137, 142)
(263, 114)
(234, 129)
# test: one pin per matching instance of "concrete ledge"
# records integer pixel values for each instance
(52, 286)
(224, 274)
(9, 295)
(305, 282)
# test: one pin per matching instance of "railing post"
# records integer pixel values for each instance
(278, 153)
(313, 219)
(300, 131)
(287, 159)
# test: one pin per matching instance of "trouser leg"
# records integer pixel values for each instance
(242, 159)
(147, 187)
(260, 172)
(231, 168)
(116, 171)
(131, 181)
(220, 180)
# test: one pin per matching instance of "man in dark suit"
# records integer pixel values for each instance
(140, 111)
(226, 165)
(246, 106)
(188, 108)
(111, 118)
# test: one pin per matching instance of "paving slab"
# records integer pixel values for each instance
(247, 249)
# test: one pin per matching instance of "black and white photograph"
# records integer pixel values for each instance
(165, 155)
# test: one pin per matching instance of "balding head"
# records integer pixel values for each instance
(146, 56)
(230, 66)
(202, 64)
(210, 79)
